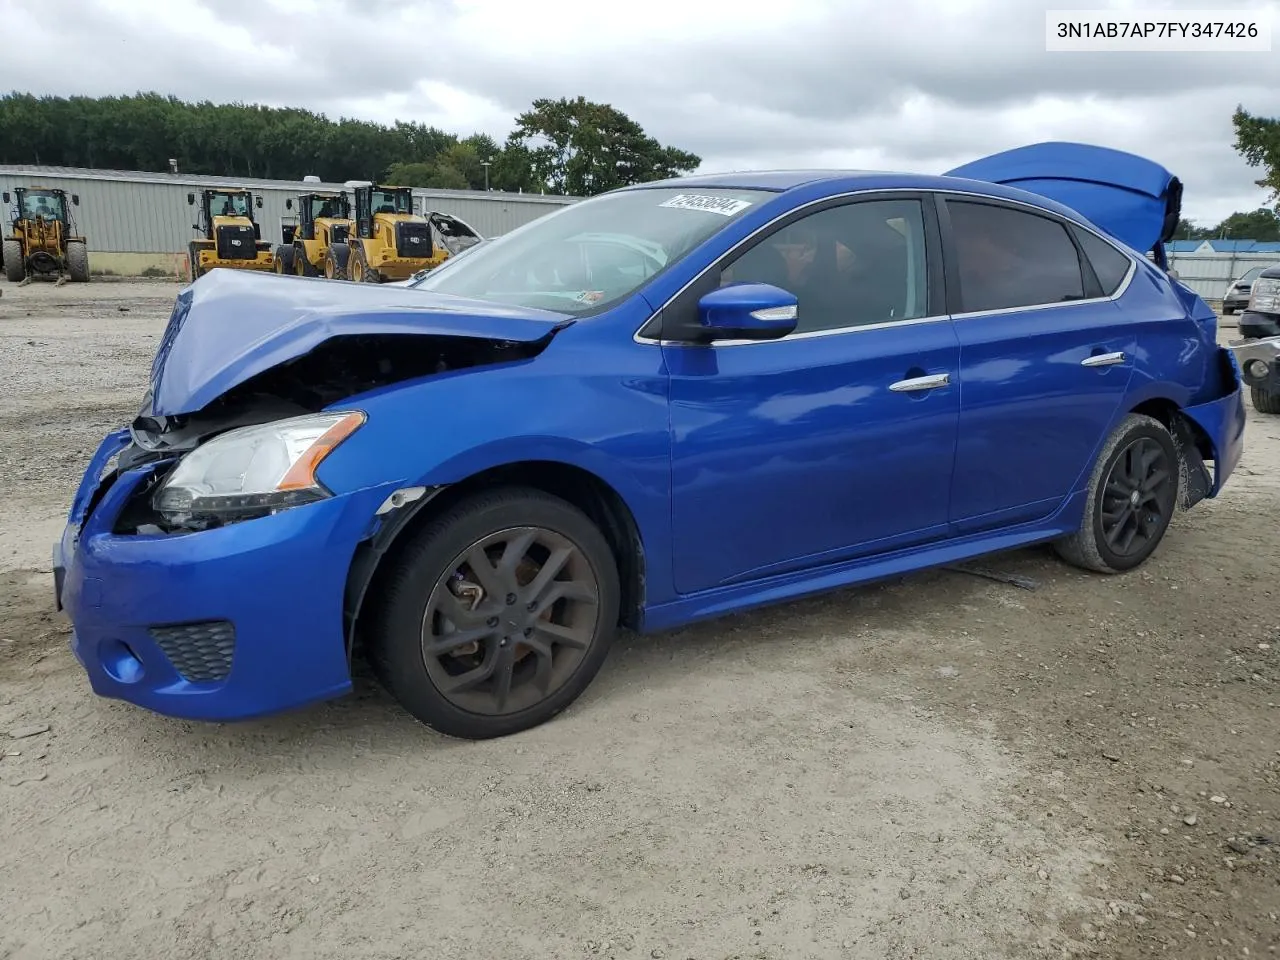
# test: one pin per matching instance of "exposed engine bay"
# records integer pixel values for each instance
(339, 368)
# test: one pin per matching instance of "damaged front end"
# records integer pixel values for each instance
(272, 400)
(176, 602)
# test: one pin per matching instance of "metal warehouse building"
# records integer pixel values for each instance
(138, 222)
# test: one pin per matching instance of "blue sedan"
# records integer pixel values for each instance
(666, 403)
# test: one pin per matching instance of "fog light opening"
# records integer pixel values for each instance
(120, 662)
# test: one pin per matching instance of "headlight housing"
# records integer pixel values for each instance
(254, 471)
(1265, 297)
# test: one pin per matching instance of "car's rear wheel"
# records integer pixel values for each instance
(497, 615)
(1264, 401)
(1133, 493)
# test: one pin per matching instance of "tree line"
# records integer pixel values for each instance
(566, 146)
(1258, 142)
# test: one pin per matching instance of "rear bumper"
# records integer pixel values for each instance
(1223, 422)
(218, 625)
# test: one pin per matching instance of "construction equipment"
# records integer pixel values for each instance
(390, 241)
(43, 242)
(229, 236)
(323, 220)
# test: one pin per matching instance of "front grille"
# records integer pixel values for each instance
(237, 243)
(413, 239)
(198, 651)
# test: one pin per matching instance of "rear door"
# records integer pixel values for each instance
(1046, 356)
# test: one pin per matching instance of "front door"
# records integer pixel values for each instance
(836, 441)
(1045, 355)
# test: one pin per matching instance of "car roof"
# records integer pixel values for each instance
(837, 181)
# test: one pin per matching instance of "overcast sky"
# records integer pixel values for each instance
(903, 84)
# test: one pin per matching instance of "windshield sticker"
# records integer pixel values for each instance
(590, 296)
(725, 206)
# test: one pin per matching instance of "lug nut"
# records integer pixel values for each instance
(492, 622)
(511, 598)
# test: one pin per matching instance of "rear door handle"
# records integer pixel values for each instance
(931, 382)
(1103, 359)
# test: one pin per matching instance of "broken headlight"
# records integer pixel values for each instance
(254, 471)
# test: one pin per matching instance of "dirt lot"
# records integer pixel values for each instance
(944, 766)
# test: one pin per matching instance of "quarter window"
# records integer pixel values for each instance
(1008, 258)
(851, 265)
(1109, 264)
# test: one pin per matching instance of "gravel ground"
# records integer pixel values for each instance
(944, 766)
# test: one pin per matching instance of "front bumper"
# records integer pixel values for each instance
(225, 624)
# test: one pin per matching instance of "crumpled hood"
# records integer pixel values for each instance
(231, 325)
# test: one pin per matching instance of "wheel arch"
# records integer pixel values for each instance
(586, 490)
(1190, 439)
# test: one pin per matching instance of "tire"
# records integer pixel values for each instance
(15, 270)
(1228, 311)
(78, 261)
(408, 601)
(1264, 401)
(301, 265)
(284, 260)
(336, 261)
(1088, 547)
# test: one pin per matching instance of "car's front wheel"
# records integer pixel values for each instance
(1133, 493)
(497, 615)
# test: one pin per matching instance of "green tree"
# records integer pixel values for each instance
(440, 176)
(1258, 141)
(1189, 231)
(582, 148)
(1260, 224)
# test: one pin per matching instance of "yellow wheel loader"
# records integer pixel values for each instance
(43, 240)
(323, 220)
(390, 241)
(229, 236)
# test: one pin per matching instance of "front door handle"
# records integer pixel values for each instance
(1103, 359)
(931, 382)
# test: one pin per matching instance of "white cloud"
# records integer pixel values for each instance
(918, 85)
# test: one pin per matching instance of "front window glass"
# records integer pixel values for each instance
(332, 207)
(595, 252)
(42, 203)
(851, 265)
(1252, 275)
(392, 201)
(222, 204)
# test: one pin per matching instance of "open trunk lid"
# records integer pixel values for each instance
(1132, 198)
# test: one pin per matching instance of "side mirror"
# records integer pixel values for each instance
(748, 311)
(75, 199)
(257, 202)
(288, 204)
(6, 196)
(191, 199)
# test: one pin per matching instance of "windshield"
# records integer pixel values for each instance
(1251, 276)
(593, 253)
(42, 203)
(332, 207)
(223, 204)
(392, 201)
